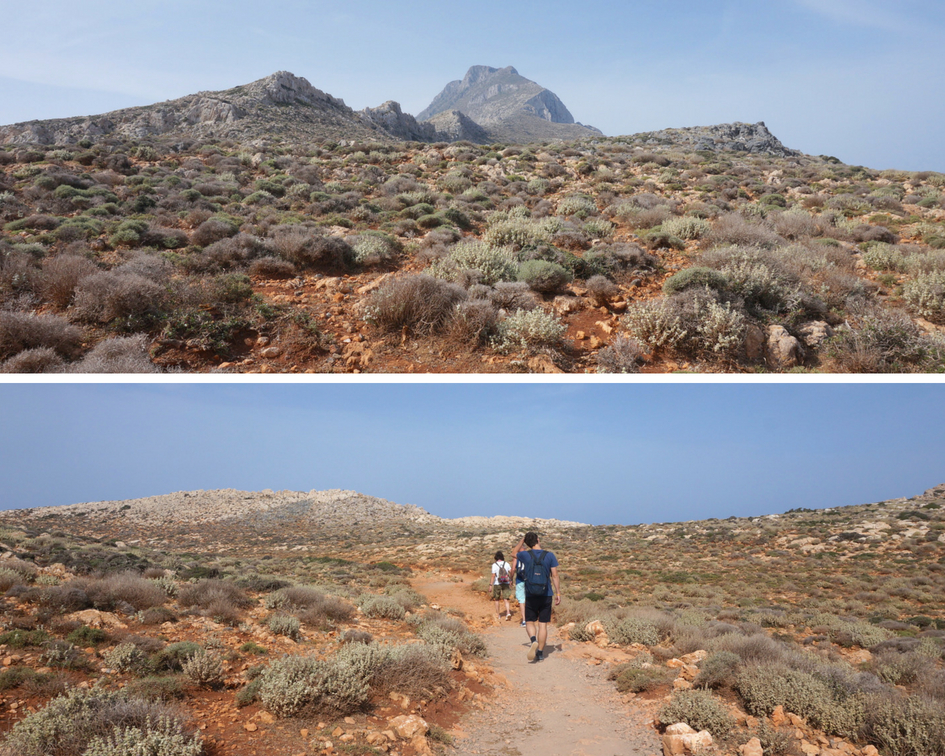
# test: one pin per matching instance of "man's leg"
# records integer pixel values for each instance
(542, 635)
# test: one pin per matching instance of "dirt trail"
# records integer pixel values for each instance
(563, 705)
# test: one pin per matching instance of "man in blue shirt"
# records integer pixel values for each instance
(541, 568)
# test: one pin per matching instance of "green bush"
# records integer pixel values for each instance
(695, 277)
(718, 670)
(543, 276)
(298, 685)
(125, 657)
(687, 227)
(474, 261)
(700, 710)
(87, 636)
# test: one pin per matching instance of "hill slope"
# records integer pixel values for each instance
(281, 105)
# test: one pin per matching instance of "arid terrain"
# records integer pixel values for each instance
(333, 622)
(271, 229)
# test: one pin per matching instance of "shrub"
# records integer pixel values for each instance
(372, 249)
(381, 607)
(883, 341)
(925, 295)
(718, 670)
(298, 685)
(542, 276)
(579, 205)
(475, 262)
(21, 331)
(530, 329)
(905, 726)
(625, 355)
(87, 636)
(105, 296)
(62, 655)
(447, 634)
(172, 657)
(884, 257)
(101, 723)
(700, 710)
(420, 304)
(308, 247)
(601, 290)
(687, 227)
(473, 321)
(630, 678)
(272, 267)
(119, 354)
(732, 228)
(206, 592)
(695, 277)
(61, 275)
(204, 669)
(284, 624)
(125, 657)
(826, 706)
(211, 231)
(655, 322)
(631, 630)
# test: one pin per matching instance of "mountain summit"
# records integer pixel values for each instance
(507, 106)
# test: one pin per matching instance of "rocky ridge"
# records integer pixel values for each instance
(737, 137)
(280, 104)
(331, 508)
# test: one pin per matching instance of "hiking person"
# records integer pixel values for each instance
(501, 584)
(520, 578)
(541, 590)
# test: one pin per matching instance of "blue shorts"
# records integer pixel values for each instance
(520, 592)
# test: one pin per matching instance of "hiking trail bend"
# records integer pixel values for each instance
(563, 705)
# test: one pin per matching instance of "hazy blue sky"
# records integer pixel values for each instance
(599, 453)
(859, 79)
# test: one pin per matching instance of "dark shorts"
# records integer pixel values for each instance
(538, 608)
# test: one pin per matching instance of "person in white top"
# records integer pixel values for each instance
(501, 584)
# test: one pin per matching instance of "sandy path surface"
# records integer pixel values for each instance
(563, 705)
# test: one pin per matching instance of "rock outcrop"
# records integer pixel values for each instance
(456, 126)
(507, 105)
(392, 119)
(737, 137)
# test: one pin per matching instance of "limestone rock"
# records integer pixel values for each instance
(400, 125)
(97, 619)
(409, 726)
(754, 343)
(681, 740)
(814, 333)
(751, 748)
(600, 634)
(782, 350)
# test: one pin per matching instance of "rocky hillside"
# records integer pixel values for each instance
(735, 137)
(281, 105)
(508, 106)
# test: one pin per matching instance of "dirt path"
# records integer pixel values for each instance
(564, 705)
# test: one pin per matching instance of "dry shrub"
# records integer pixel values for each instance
(119, 354)
(272, 267)
(107, 295)
(733, 228)
(211, 231)
(417, 304)
(700, 710)
(600, 290)
(126, 587)
(473, 321)
(307, 247)
(21, 331)
(39, 360)
(205, 593)
(61, 275)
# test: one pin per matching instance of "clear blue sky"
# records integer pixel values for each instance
(859, 79)
(598, 453)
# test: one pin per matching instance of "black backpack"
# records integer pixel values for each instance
(537, 574)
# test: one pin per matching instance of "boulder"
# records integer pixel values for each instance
(751, 748)
(815, 333)
(782, 350)
(754, 343)
(409, 726)
(681, 740)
